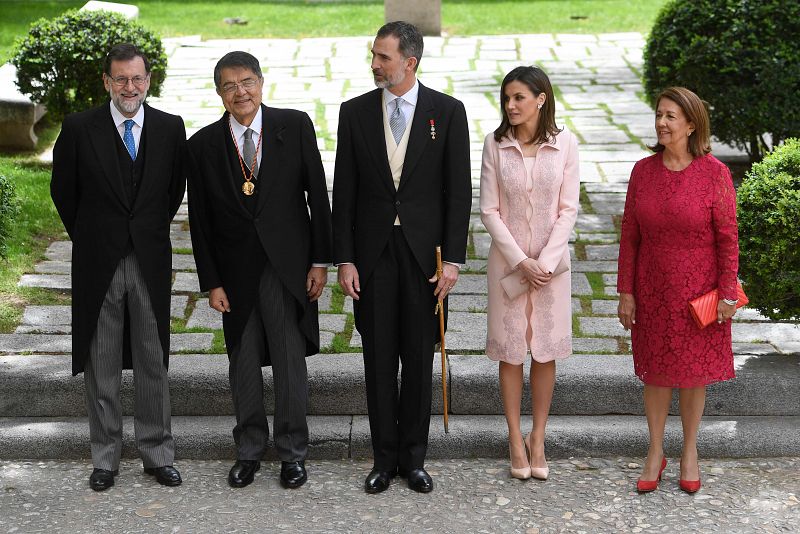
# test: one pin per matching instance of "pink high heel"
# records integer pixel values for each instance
(521, 473)
(539, 473)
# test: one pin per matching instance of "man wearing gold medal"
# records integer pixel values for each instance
(261, 232)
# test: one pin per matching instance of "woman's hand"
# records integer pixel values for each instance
(534, 274)
(626, 311)
(725, 311)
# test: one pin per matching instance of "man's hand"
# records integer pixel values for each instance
(348, 280)
(534, 274)
(446, 282)
(626, 310)
(218, 299)
(315, 282)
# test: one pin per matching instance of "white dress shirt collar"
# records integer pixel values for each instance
(410, 96)
(119, 118)
(239, 129)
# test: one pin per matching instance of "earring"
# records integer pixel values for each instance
(689, 134)
(539, 105)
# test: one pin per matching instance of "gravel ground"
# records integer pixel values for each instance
(582, 495)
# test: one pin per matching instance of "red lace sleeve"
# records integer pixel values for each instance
(629, 241)
(726, 233)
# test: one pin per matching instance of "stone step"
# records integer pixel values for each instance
(766, 384)
(470, 436)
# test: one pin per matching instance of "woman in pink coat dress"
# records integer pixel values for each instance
(679, 241)
(529, 203)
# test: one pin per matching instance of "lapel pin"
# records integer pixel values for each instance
(433, 129)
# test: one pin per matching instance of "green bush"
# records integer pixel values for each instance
(739, 55)
(9, 207)
(769, 218)
(60, 62)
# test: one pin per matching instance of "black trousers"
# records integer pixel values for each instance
(397, 325)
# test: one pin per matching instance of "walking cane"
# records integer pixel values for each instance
(440, 310)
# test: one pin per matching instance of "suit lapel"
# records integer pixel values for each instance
(153, 152)
(271, 154)
(101, 133)
(218, 158)
(371, 118)
(419, 135)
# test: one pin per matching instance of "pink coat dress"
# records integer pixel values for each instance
(529, 216)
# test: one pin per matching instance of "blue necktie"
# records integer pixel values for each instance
(127, 138)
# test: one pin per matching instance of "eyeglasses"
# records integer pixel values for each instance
(122, 81)
(246, 84)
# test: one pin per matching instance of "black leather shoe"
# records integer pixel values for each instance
(243, 472)
(165, 475)
(419, 480)
(102, 479)
(293, 474)
(377, 480)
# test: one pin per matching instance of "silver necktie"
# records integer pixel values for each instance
(397, 121)
(249, 151)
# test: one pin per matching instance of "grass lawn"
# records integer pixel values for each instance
(315, 18)
(32, 230)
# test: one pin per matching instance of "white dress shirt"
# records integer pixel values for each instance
(119, 121)
(239, 131)
(409, 102)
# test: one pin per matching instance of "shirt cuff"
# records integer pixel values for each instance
(458, 265)
(326, 265)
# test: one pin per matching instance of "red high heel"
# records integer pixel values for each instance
(646, 486)
(691, 486)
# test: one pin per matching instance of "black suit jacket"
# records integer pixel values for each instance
(88, 192)
(435, 192)
(231, 244)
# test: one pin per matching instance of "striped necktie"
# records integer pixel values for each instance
(397, 121)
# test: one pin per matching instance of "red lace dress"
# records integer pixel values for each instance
(679, 240)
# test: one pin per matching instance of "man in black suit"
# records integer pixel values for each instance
(261, 232)
(117, 183)
(401, 187)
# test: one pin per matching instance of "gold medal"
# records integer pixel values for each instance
(248, 187)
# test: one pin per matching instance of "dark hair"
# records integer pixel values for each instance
(696, 111)
(410, 38)
(236, 58)
(124, 52)
(537, 81)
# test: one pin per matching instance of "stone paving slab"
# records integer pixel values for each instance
(61, 282)
(53, 267)
(582, 494)
(54, 344)
(186, 283)
(204, 316)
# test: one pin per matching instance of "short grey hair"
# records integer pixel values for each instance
(236, 59)
(410, 38)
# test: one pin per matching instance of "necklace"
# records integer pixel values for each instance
(247, 186)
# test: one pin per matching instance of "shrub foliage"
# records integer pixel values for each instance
(769, 215)
(9, 207)
(60, 62)
(741, 56)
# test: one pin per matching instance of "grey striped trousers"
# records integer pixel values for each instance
(272, 324)
(103, 375)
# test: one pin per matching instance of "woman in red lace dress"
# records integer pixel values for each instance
(679, 241)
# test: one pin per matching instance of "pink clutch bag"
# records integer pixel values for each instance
(704, 307)
(512, 282)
